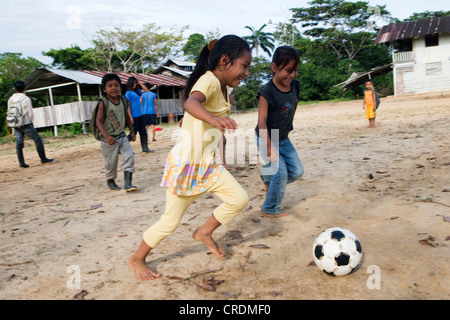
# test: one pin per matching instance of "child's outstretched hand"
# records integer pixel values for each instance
(223, 123)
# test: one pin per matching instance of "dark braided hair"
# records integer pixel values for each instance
(232, 46)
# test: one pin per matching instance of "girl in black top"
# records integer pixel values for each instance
(278, 101)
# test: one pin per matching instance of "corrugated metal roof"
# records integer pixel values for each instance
(413, 29)
(77, 76)
(359, 78)
(181, 63)
(153, 79)
(88, 80)
(185, 74)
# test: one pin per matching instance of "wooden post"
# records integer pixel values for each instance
(55, 126)
(159, 97)
(80, 108)
(173, 97)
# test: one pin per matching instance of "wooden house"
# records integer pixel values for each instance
(176, 68)
(421, 55)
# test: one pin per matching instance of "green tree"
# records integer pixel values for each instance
(342, 25)
(427, 15)
(259, 73)
(338, 40)
(121, 50)
(196, 42)
(262, 39)
(73, 58)
(319, 70)
(286, 33)
(138, 51)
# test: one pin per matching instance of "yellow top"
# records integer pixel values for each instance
(191, 166)
(369, 98)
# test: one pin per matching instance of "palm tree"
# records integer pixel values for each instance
(260, 39)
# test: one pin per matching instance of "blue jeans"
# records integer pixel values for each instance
(277, 175)
(31, 132)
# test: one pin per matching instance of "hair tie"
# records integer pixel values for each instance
(212, 44)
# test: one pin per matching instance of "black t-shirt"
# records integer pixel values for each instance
(282, 106)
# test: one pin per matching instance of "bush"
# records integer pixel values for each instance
(76, 128)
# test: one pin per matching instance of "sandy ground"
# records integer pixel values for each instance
(60, 223)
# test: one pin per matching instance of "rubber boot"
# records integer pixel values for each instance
(128, 185)
(21, 159)
(112, 185)
(144, 144)
(41, 152)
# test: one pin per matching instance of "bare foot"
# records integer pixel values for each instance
(279, 215)
(212, 245)
(141, 270)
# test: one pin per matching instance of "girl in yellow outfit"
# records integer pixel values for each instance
(191, 166)
(369, 104)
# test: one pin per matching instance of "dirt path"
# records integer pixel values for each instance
(60, 219)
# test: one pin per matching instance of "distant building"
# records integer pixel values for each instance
(421, 57)
(176, 68)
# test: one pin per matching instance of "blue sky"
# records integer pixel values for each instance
(30, 26)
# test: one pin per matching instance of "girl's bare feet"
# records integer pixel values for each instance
(207, 239)
(141, 270)
(137, 263)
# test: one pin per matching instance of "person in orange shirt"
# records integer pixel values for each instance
(369, 103)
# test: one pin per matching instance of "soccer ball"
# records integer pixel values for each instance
(337, 251)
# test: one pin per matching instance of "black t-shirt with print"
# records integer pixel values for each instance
(281, 108)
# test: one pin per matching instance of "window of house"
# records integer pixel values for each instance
(432, 40)
(404, 45)
(165, 92)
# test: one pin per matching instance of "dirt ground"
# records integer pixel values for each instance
(60, 223)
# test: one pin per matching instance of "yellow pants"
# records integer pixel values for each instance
(235, 199)
(370, 113)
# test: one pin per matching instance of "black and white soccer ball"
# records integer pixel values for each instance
(337, 251)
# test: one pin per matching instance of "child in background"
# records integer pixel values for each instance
(278, 101)
(369, 103)
(112, 117)
(134, 96)
(150, 109)
(191, 167)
